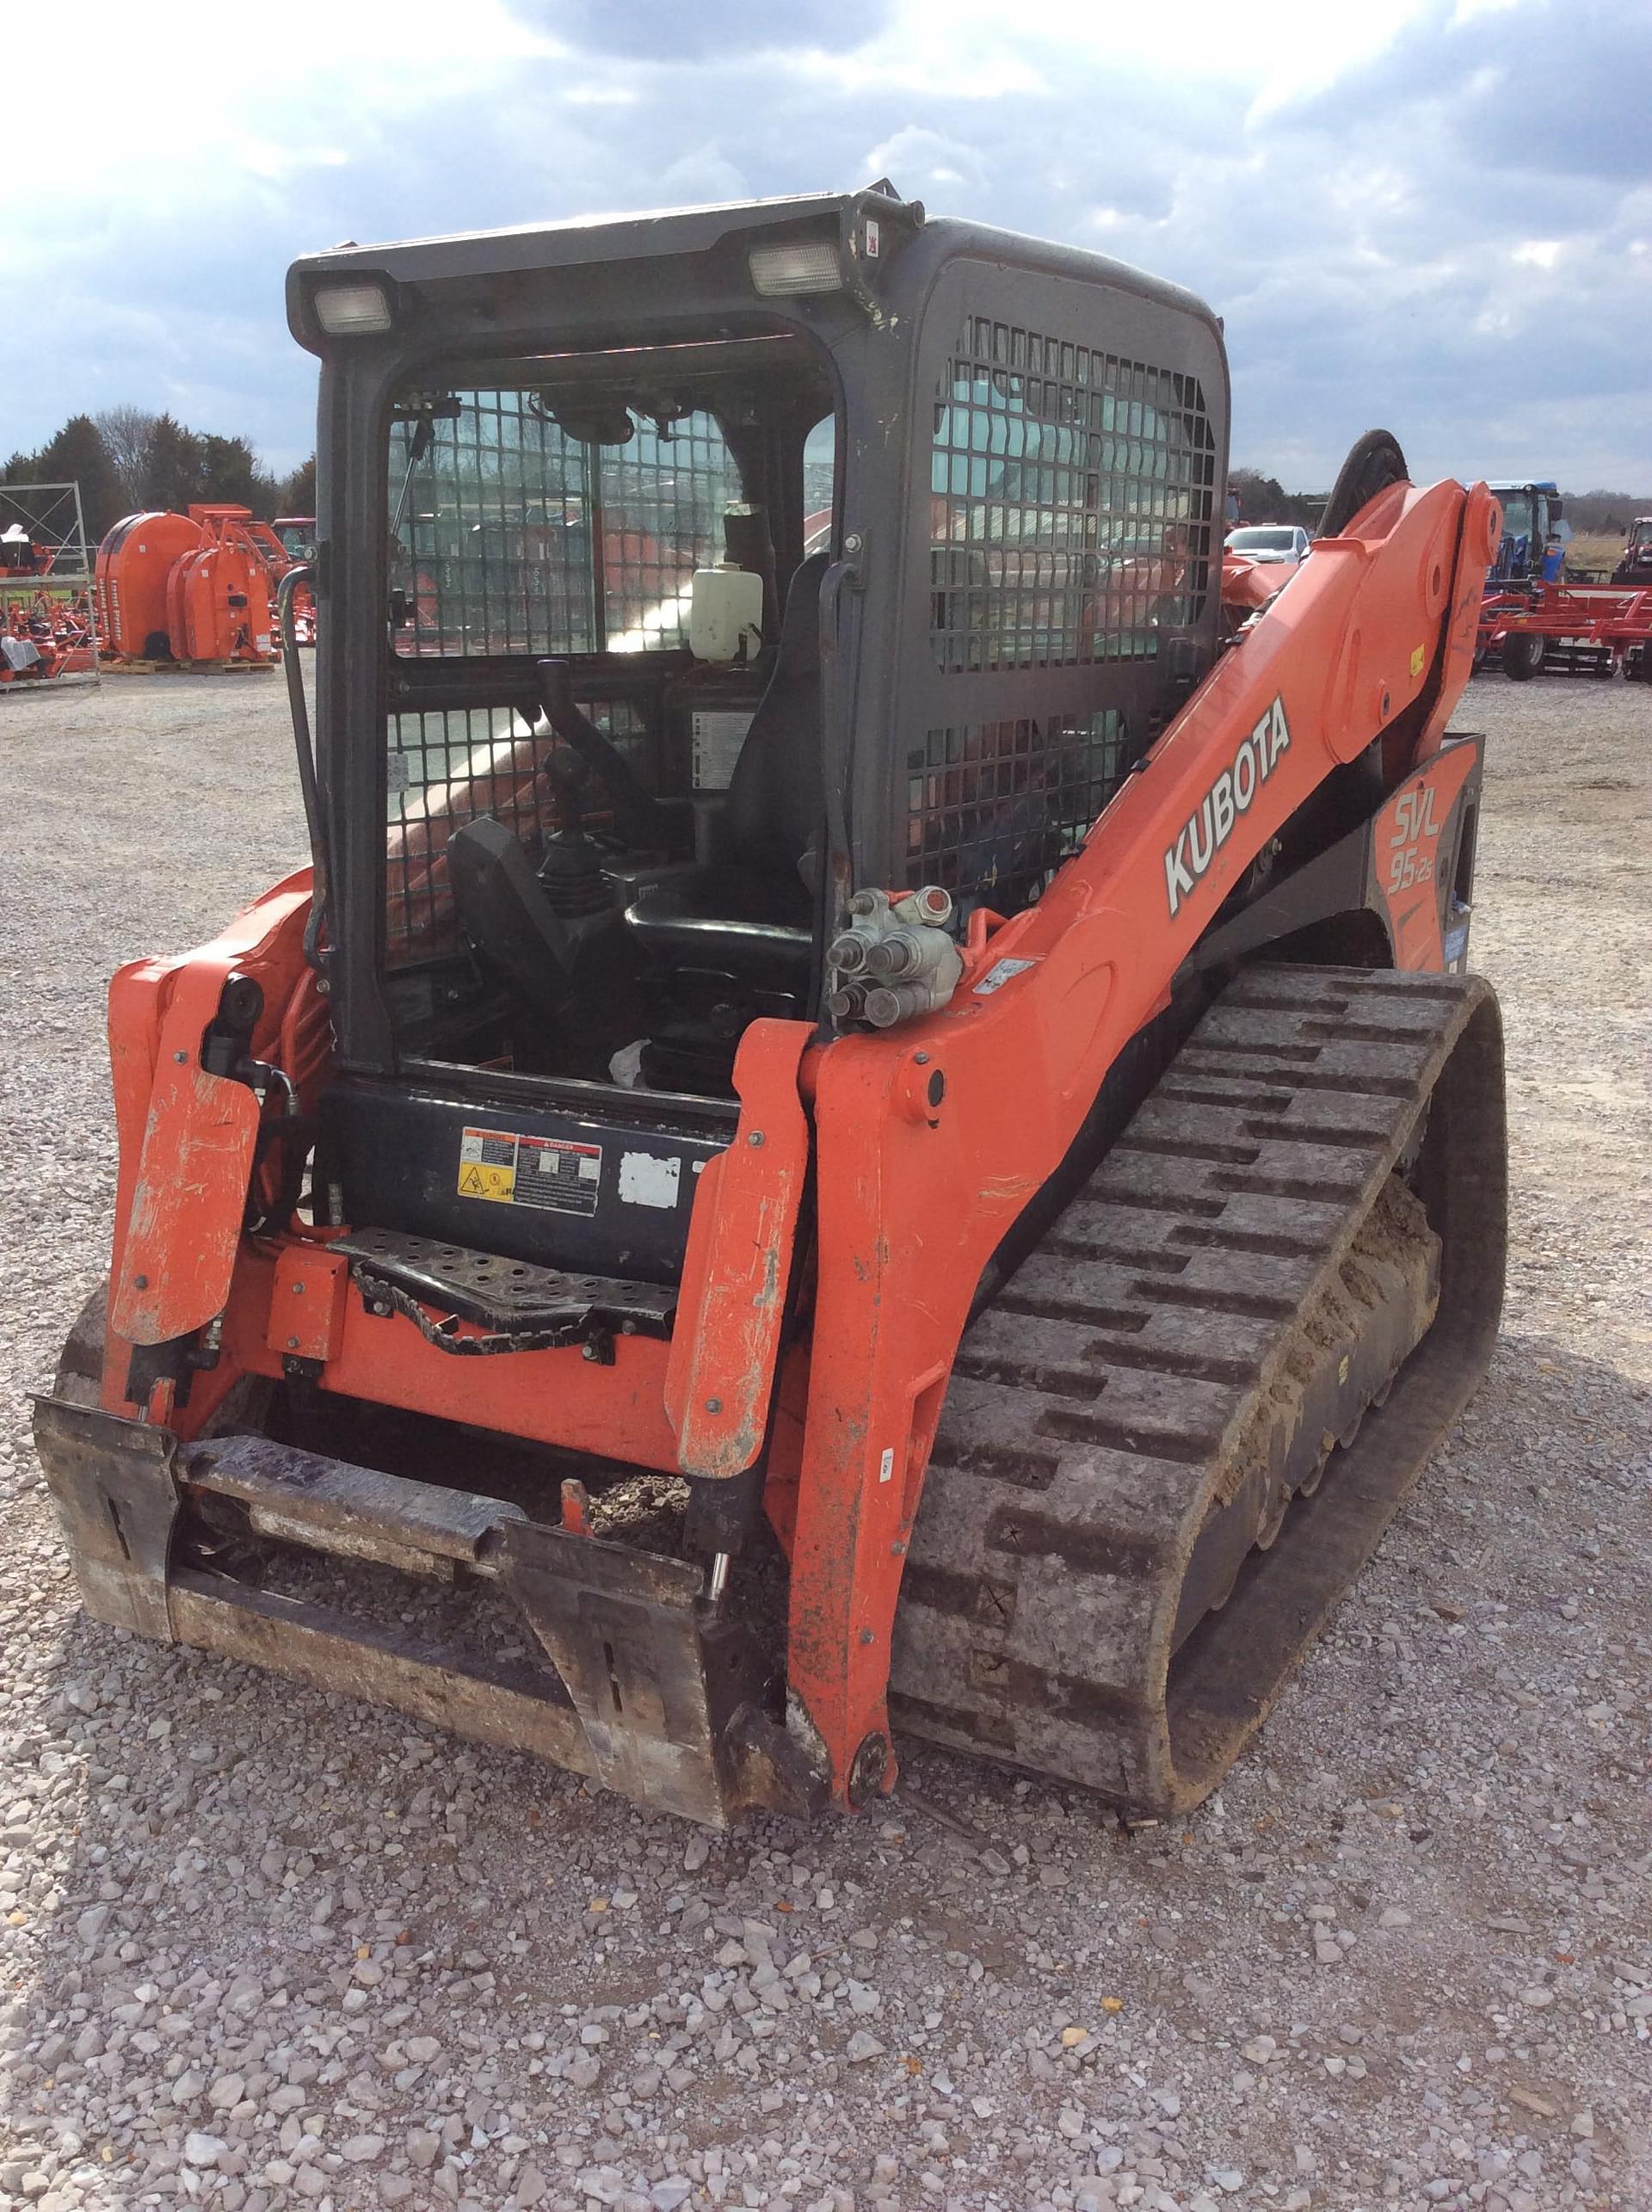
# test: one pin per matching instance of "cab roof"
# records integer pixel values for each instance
(429, 266)
(579, 239)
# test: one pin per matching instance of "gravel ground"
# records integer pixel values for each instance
(266, 1947)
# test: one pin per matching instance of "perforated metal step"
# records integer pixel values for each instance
(510, 1295)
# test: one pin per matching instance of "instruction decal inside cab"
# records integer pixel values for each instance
(550, 1173)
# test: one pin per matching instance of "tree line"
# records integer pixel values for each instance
(128, 461)
(1264, 499)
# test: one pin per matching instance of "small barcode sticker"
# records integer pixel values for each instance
(1000, 973)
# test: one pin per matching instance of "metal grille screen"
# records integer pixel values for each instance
(451, 767)
(511, 537)
(505, 526)
(994, 807)
(1070, 502)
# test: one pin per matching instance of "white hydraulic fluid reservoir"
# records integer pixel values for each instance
(725, 615)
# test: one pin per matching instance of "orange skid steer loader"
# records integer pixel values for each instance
(886, 1140)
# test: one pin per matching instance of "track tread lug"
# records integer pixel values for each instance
(1104, 1409)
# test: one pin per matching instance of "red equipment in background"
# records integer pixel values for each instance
(45, 573)
(1554, 629)
(19, 555)
(189, 587)
(55, 637)
(296, 534)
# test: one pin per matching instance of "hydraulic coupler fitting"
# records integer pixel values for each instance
(895, 961)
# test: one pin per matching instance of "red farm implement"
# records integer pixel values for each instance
(41, 637)
(194, 590)
(1555, 629)
(47, 635)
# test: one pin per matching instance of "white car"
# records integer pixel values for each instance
(1270, 541)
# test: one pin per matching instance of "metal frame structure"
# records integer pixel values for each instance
(1559, 630)
(52, 515)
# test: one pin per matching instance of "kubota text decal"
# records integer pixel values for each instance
(1228, 797)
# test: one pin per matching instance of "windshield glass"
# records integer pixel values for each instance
(1517, 513)
(1261, 542)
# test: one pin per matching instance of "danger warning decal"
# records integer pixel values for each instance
(547, 1172)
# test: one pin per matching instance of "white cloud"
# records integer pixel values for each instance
(1357, 187)
(925, 161)
(702, 177)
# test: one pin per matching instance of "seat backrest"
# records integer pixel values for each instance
(777, 794)
(504, 912)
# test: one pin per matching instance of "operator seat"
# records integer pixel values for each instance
(762, 838)
(738, 941)
(777, 793)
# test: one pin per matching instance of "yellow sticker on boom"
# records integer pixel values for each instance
(1417, 659)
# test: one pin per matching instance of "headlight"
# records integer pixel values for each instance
(352, 310)
(784, 272)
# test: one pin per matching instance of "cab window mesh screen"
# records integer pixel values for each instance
(993, 807)
(662, 503)
(492, 551)
(509, 536)
(1071, 503)
(451, 767)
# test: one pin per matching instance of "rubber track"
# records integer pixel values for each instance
(1188, 1324)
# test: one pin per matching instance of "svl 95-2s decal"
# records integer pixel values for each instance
(1413, 823)
(1416, 843)
(1228, 797)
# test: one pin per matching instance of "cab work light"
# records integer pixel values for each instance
(807, 265)
(352, 310)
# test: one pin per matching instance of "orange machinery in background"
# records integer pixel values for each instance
(20, 555)
(189, 587)
(43, 637)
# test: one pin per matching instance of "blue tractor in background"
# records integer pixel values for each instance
(1535, 536)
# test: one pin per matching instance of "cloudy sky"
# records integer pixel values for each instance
(1431, 214)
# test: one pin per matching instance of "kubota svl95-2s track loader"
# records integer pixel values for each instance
(890, 1139)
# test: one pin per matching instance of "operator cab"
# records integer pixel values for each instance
(1532, 515)
(1635, 566)
(681, 580)
(603, 756)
